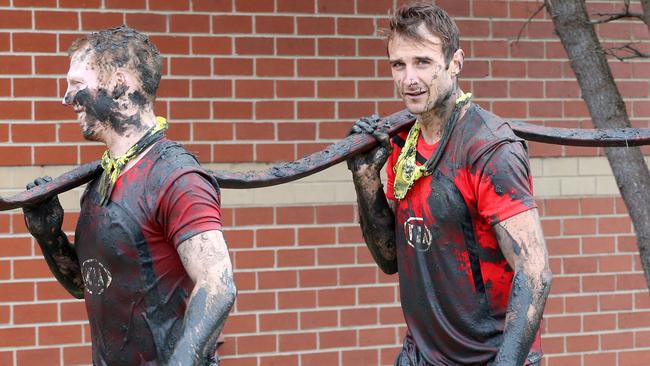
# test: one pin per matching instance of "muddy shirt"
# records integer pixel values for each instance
(454, 280)
(136, 286)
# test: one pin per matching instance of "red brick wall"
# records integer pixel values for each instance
(267, 80)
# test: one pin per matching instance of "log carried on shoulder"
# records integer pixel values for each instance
(336, 153)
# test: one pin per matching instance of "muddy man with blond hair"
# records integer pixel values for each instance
(148, 257)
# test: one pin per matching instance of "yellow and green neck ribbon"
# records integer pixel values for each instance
(113, 166)
(406, 170)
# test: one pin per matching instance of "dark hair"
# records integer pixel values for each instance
(124, 47)
(407, 18)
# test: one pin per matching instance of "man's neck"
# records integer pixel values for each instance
(119, 144)
(433, 122)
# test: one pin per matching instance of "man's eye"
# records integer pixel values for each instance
(397, 65)
(424, 62)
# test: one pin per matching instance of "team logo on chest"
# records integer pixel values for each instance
(96, 277)
(417, 234)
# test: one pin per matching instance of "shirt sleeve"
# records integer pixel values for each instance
(188, 206)
(502, 181)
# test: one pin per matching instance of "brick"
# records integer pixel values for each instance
(254, 45)
(77, 355)
(58, 20)
(582, 343)
(190, 66)
(633, 319)
(15, 65)
(297, 341)
(321, 25)
(126, 4)
(297, 299)
(336, 6)
(59, 334)
(29, 132)
(615, 302)
(34, 42)
(254, 88)
(580, 265)
(95, 21)
(274, 152)
(230, 24)
(295, 47)
(598, 283)
(336, 47)
(274, 67)
(147, 22)
(338, 339)
(316, 236)
(212, 131)
(359, 317)
(610, 225)
(293, 88)
(189, 23)
(355, 26)
(37, 356)
(615, 263)
(275, 237)
(566, 285)
(279, 321)
(52, 111)
(321, 358)
(599, 322)
(633, 358)
(313, 67)
(49, 65)
(35, 87)
(274, 24)
(36, 313)
(296, 131)
(211, 45)
(318, 319)
(233, 110)
(209, 88)
(336, 297)
(318, 109)
(578, 304)
(375, 337)
(579, 226)
(379, 7)
(169, 5)
(288, 360)
(19, 291)
(274, 110)
(226, 66)
(360, 357)
(31, 268)
(257, 343)
(376, 295)
(12, 19)
(296, 257)
(336, 89)
(256, 301)
(16, 337)
(168, 45)
(255, 131)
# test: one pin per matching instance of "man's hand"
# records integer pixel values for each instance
(373, 160)
(44, 222)
(46, 218)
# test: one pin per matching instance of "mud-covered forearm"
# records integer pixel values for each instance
(522, 243)
(62, 259)
(376, 219)
(525, 308)
(205, 316)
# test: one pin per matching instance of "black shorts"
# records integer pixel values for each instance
(409, 355)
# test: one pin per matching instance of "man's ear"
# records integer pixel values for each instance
(120, 80)
(457, 60)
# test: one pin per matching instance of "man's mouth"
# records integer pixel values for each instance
(415, 93)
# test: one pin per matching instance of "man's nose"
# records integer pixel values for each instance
(410, 76)
(67, 98)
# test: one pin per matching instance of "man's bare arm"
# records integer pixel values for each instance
(375, 214)
(44, 222)
(522, 243)
(205, 258)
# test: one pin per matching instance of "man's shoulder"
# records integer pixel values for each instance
(170, 160)
(482, 131)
